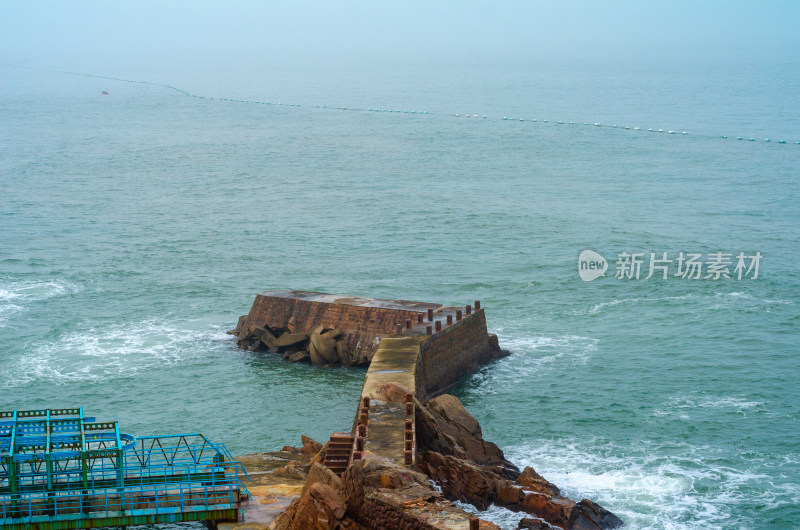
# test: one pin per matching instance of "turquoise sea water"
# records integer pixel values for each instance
(135, 227)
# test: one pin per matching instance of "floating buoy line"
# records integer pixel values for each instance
(468, 115)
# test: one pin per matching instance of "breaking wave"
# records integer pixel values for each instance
(17, 295)
(121, 350)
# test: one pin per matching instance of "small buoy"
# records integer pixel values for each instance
(456, 115)
(636, 129)
(781, 141)
(670, 132)
(559, 121)
(586, 123)
(484, 116)
(597, 125)
(474, 115)
(534, 120)
(766, 139)
(739, 138)
(626, 127)
(752, 139)
(724, 137)
(614, 126)
(521, 119)
(545, 121)
(661, 130)
(649, 130)
(572, 123)
(683, 132)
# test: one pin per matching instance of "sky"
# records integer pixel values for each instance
(96, 34)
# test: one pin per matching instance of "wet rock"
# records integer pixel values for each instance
(530, 523)
(444, 425)
(533, 481)
(509, 495)
(554, 510)
(588, 515)
(452, 452)
(299, 357)
(459, 479)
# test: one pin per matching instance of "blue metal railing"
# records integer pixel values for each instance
(58, 471)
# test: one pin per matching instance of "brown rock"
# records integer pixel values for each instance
(452, 411)
(554, 510)
(460, 479)
(529, 523)
(509, 495)
(310, 446)
(533, 481)
(588, 515)
(444, 425)
(294, 469)
(319, 507)
(321, 474)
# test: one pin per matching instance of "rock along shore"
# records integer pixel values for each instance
(292, 489)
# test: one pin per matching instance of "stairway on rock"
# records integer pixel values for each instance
(340, 447)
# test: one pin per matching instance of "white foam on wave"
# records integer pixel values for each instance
(649, 490)
(534, 357)
(17, 295)
(683, 404)
(121, 350)
(630, 301)
(505, 519)
(708, 301)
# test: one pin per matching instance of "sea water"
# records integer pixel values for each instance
(135, 227)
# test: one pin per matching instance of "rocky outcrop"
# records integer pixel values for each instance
(372, 494)
(452, 452)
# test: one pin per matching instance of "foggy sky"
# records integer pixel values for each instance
(82, 34)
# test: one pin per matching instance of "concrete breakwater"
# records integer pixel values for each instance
(411, 449)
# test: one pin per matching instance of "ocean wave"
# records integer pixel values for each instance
(681, 405)
(17, 295)
(650, 490)
(505, 519)
(532, 357)
(121, 350)
(708, 301)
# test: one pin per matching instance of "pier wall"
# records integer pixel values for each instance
(454, 353)
(363, 321)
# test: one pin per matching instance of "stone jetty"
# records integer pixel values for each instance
(412, 450)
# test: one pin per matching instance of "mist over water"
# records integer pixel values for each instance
(135, 227)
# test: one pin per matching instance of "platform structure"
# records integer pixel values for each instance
(60, 469)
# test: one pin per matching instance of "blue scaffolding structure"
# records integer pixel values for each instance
(60, 469)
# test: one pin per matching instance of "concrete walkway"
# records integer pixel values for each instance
(395, 361)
